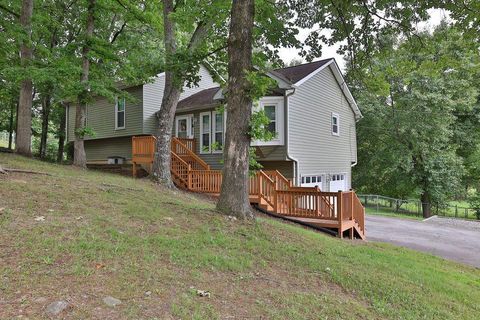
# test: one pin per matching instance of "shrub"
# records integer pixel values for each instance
(474, 201)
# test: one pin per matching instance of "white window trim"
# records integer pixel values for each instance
(124, 114)
(213, 130)
(278, 102)
(202, 151)
(337, 116)
(190, 129)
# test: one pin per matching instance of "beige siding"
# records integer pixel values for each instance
(100, 150)
(310, 137)
(101, 117)
(153, 94)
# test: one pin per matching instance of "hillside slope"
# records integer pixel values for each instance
(106, 235)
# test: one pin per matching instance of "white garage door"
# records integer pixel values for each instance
(338, 182)
(312, 181)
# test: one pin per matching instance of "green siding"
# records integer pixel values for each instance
(215, 160)
(101, 117)
(100, 150)
(285, 167)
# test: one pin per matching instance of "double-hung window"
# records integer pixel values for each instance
(119, 113)
(218, 131)
(271, 113)
(273, 108)
(335, 124)
(205, 132)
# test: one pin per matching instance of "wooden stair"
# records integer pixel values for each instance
(270, 191)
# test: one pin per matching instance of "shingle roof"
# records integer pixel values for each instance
(199, 100)
(296, 73)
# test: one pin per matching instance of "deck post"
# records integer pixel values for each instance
(339, 214)
(275, 201)
(351, 204)
(189, 177)
(134, 170)
(259, 182)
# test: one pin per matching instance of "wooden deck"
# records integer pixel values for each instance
(269, 190)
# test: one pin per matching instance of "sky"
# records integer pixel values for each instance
(288, 54)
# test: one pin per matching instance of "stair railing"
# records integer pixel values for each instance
(188, 155)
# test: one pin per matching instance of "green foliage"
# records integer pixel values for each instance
(415, 99)
(85, 131)
(474, 201)
(258, 126)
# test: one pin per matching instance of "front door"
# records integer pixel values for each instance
(183, 126)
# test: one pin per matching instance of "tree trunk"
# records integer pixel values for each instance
(171, 94)
(79, 156)
(24, 124)
(426, 204)
(10, 125)
(44, 133)
(161, 164)
(61, 132)
(234, 198)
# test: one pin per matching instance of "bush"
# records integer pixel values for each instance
(474, 201)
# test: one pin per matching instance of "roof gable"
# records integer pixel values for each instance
(297, 73)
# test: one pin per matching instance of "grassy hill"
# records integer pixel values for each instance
(107, 235)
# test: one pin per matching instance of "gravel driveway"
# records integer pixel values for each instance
(452, 239)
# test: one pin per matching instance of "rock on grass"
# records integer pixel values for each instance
(56, 307)
(111, 301)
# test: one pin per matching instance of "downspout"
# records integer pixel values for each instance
(287, 126)
(356, 144)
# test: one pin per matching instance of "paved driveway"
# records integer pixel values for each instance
(449, 238)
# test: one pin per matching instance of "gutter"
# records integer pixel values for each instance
(289, 157)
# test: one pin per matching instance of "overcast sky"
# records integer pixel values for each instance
(288, 54)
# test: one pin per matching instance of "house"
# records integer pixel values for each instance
(311, 111)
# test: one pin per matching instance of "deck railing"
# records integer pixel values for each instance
(143, 149)
(180, 168)
(182, 150)
(188, 142)
(281, 183)
(268, 187)
(307, 203)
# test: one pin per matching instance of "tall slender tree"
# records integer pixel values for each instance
(234, 193)
(181, 64)
(24, 113)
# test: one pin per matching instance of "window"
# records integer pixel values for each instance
(311, 181)
(183, 126)
(120, 113)
(271, 113)
(218, 131)
(335, 124)
(205, 132)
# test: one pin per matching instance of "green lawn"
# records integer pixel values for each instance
(391, 213)
(3, 144)
(107, 235)
(411, 210)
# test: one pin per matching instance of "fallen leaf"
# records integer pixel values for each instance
(40, 218)
(99, 266)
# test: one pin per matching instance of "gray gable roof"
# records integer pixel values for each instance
(296, 73)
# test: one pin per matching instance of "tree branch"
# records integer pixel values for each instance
(7, 9)
(118, 32)
(198, 35)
